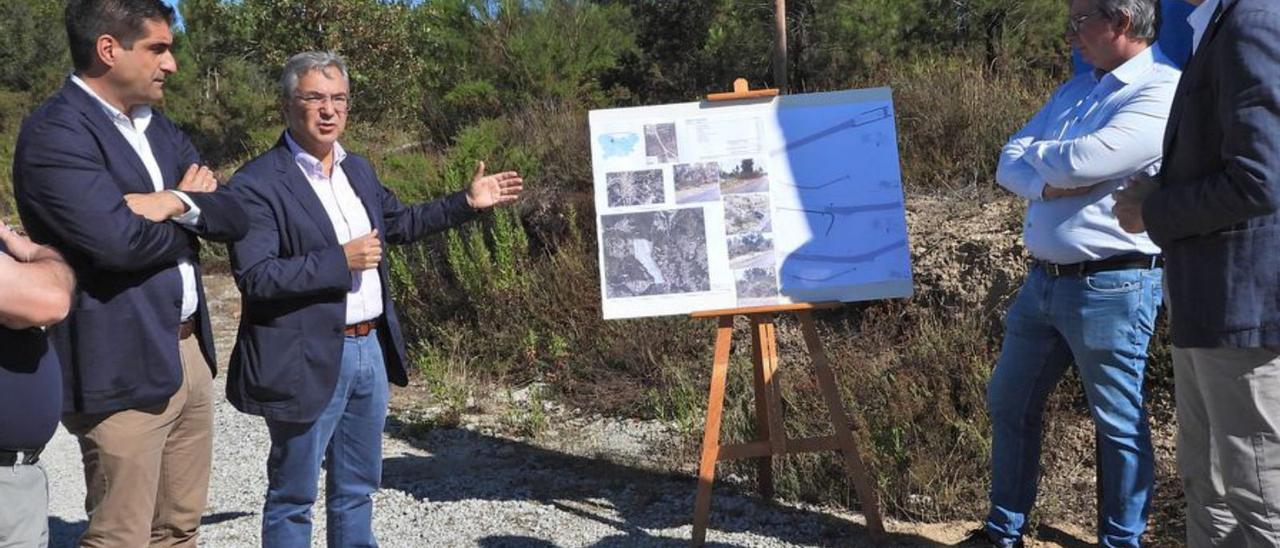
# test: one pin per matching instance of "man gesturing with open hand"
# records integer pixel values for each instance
(319, 337)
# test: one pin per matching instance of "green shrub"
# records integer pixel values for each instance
(13, 107)
(412, 176)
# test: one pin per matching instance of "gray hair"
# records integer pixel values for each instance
(299, 65)
(1144, 15)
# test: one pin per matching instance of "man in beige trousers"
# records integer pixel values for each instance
(117, 188)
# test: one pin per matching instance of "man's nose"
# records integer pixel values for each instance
(168, 64)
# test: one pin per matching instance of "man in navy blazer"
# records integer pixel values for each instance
(1215, 210)
(319, 337)
(118, 189)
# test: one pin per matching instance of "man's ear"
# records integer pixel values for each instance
(1124, 24)
(107, 49)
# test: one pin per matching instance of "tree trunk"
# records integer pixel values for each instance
(780, 46)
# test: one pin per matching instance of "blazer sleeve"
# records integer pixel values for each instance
(409, 223)
(65, 186)
(222, 219)
(262, 274)
(1249, 110)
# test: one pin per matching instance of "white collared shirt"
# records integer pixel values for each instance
(350, 221)
(134, 130)
(1099, 127)
(1200, 19)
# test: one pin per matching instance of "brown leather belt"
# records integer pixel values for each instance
(186, 329)
(361, 329)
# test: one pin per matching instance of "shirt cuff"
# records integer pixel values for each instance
(459, 208)
(192, 216)
(1035, 190)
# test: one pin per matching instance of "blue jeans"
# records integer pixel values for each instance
(1103, 321)
(347, 437)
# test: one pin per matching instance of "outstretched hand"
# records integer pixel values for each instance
(492, 190)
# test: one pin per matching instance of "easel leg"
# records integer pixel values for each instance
(778, 432)
(711, 435)
(760, 352)
(853, 463)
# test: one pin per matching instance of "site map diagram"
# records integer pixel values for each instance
(707, 206)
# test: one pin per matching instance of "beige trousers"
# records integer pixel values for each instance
(147, 470)
(1229, 444)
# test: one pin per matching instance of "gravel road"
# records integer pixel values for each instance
(466, 487)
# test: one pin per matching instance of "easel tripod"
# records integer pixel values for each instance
(772, 437)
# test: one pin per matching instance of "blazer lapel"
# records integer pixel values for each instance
(301, 189)
(1215, 23)
(109, 135)
(1189, 74)
(162, 150)
(1192, 74)
(366, 189)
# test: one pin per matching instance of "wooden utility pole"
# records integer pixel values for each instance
(780, 46)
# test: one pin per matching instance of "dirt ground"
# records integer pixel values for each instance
(653, 447)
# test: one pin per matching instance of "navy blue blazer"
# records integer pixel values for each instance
(71, 170)
(1215, 213)
(293, 280)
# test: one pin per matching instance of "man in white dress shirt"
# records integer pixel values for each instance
(1093, 290)
(319, 335)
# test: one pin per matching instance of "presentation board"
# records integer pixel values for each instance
(717, 205)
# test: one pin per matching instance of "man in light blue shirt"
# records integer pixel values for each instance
(1093, 290)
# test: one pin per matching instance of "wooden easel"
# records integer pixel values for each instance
(771, 434)
(742, 90)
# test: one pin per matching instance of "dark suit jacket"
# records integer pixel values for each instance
(1215, 213)
(71, 169)
(293, 278)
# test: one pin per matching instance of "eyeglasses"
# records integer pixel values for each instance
(340, 101)
(1075, 21)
